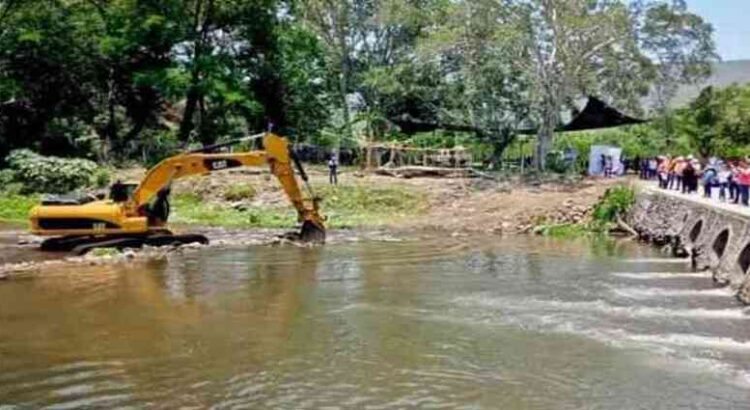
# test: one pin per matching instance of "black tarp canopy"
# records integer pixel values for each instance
(595, 115)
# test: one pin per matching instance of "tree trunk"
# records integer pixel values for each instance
(545, 135)
(499, 144)
(111, 134)
(186, 126)
(193, 95)
(344, 88)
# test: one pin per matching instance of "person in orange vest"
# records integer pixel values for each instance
(663, 172)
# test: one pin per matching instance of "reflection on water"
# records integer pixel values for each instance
(460, 323)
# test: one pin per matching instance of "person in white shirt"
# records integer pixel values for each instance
(722, 179)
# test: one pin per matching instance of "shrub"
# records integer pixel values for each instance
(239, 193)
(14, 207)
(616, 202)
(7, 177)
(49, 174)
(101, 178)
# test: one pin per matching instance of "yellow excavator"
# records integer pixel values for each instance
(134, 215)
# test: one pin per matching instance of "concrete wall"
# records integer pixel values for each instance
(717, 238)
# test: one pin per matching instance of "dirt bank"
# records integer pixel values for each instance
(452, 204)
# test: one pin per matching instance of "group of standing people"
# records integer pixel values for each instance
(685, 174)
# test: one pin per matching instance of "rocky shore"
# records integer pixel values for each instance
(219, 238)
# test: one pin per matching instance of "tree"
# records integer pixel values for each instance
(681, 46)
(593, 47)
(475, 44)
(48, 75)
(367, 44)
(717, 122)
(334, 22)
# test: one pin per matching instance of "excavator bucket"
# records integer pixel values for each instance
(312, 233)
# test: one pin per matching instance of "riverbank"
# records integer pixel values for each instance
(253, 199)
(249, 207)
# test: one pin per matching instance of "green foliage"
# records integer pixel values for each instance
(615, 203)
(192, 209)
(556, 162)
(127, 80)
(15, 207)
(358, 205)
(345, 206)
(157, 146)
(717, 122)
(239, 193)
(564, 231)
(101, 178)
(50, 174)
(635, 141)
(7, 177)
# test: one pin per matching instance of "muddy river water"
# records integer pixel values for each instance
(473, 322)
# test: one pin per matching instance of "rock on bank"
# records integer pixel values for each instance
(715, 235)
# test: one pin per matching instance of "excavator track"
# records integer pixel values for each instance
(80, 245)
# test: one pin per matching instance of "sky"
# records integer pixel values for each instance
(731, 25)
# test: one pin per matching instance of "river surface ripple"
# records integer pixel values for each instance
(476, 322)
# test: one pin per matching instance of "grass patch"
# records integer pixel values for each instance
(357, 205)
(614, 204)
(345, 206)
(191, 209)
(16, 207)
(564, 231)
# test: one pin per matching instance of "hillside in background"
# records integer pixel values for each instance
(725, 74)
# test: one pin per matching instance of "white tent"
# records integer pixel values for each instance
(598, 153)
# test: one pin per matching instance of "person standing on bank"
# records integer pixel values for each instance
(723, 178)
(689, 178)
(333, 166)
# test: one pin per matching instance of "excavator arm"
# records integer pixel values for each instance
(276, 154)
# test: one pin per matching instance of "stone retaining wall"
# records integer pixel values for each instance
(716, 239)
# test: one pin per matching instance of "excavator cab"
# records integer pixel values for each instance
(121, 192)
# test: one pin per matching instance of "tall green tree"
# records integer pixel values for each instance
(600, 47)
(475, 44)
(334, 21)
(681, 46)
(717, 122)
(48, 74)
